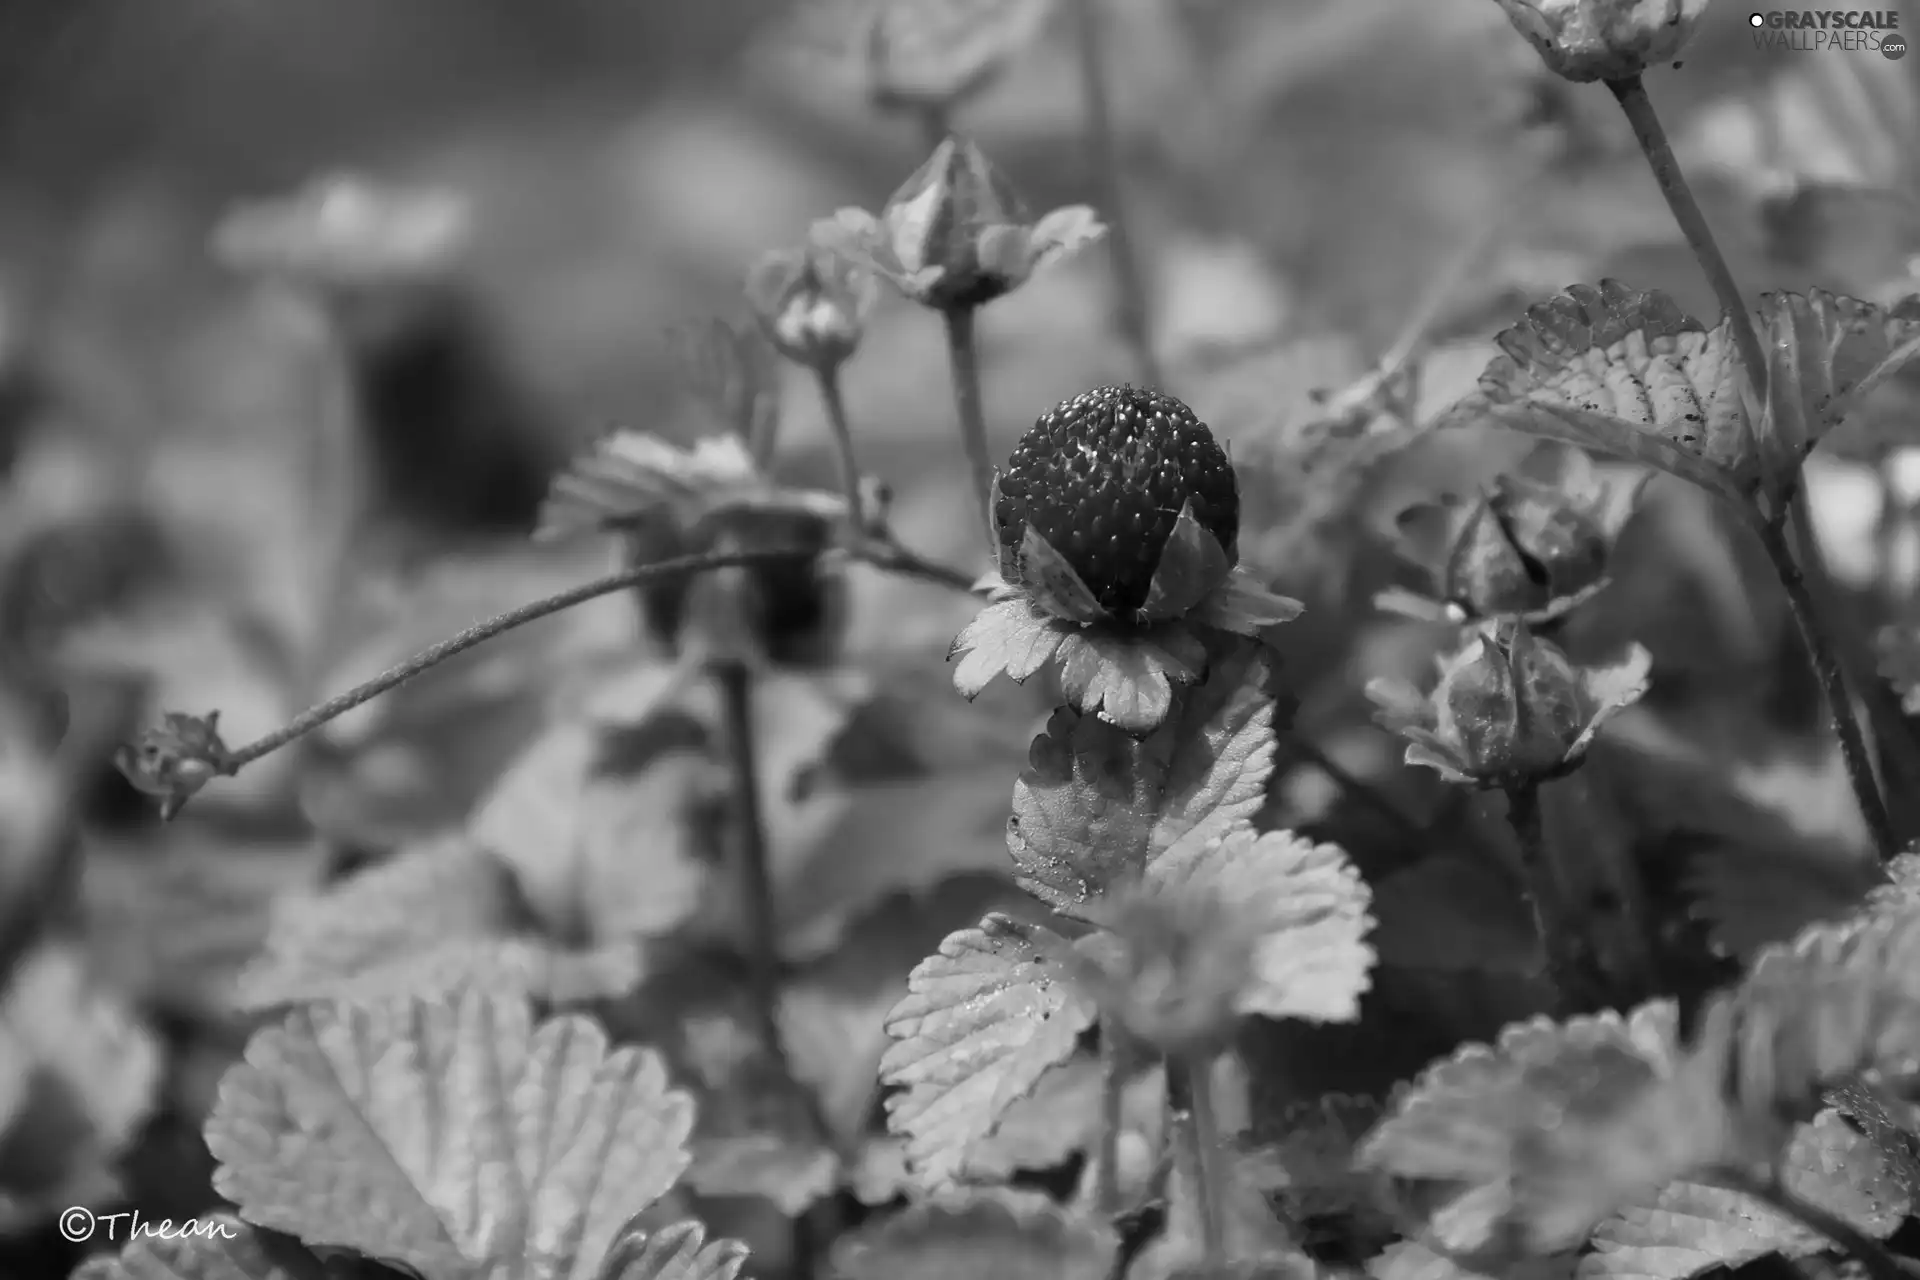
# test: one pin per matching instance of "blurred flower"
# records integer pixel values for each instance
(812, 304)
(1172, 964)
(341, 231)
(1584, 40)
(1533, 546)
(1509, 708)
(955, 235)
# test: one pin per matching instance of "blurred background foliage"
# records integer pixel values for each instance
(1302, 173)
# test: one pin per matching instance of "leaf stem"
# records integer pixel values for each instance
(1631, 93)
(828, 380)
(885, 555)
(1896, 748)
(1878, 1262)
(1132, 316)
(1196, 1138)
(1106, 1171)
(1529, 827)
(1853, 747)
(963, 358)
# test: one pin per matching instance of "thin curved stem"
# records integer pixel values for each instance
(835, 405)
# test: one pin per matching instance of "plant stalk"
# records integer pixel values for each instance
(1853, 747)
(963, 359)
(1132, 315)
(1542, 894)
(1878, 1262)
(883, 556)
(1106, 1173)
(1631, 93)
(828, 380)
(1196, 1139)
(1895, 746)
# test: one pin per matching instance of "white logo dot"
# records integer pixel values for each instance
(1756, 19)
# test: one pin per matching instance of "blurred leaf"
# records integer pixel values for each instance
(1306, 906)
(1016, 1235)
(221, 1247)
(984, 1019)
(1258, 1244)
(1464, 1126)
(1307, 1167)
(679, 1252)
(460, 1138)
(79, 1075)
(1409, 1260)
(1753, 896)
(1095, 805)
(435, 918)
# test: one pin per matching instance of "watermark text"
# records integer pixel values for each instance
(80, 1224)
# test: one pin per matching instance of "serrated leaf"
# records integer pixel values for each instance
(217, 1247)
(1626, 374)
(1306, 905)
(1096, 805)
(1753, 896)
(1835, 1166)
(983, 1020)
(1826, 353)
(1838, 1001)
(678, 1252)
(452, 1137)
(1464, 1127)
(1010, 1235)
(432, 920)
(1689, 1228)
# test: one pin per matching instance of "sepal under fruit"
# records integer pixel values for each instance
(1586, 40)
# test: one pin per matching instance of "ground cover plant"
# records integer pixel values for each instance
(1448, 810)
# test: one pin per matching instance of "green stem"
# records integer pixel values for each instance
(828, 380)
(1196, 1139)
(1870, 1253)
(1106, 1172)
(963, 359)
(1853, 747)
(1895, 746)
(1632, 96)
(1542, 893)
(1133, 317)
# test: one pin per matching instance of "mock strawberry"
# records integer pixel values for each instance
(1103, 478)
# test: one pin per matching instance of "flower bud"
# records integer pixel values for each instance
(812, 305)
(1584, 40)
(1524, 549)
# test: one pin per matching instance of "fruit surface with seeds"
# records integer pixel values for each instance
(1103, 478)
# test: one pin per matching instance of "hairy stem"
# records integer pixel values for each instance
(885, 556)
(1132, 315)
(828, 380)
(1871, 1254)
(1106, 1172)
(1895, 746)
(1542, 893)
(1632, 96)
(963, 358)
(1853, 747)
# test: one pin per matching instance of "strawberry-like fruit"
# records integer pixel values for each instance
(1103, 477)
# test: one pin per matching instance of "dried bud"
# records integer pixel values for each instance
(1509, 708)
(955, 235)
(1584, 40)
(1533, 546)
(812, 305)
(174, 761)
